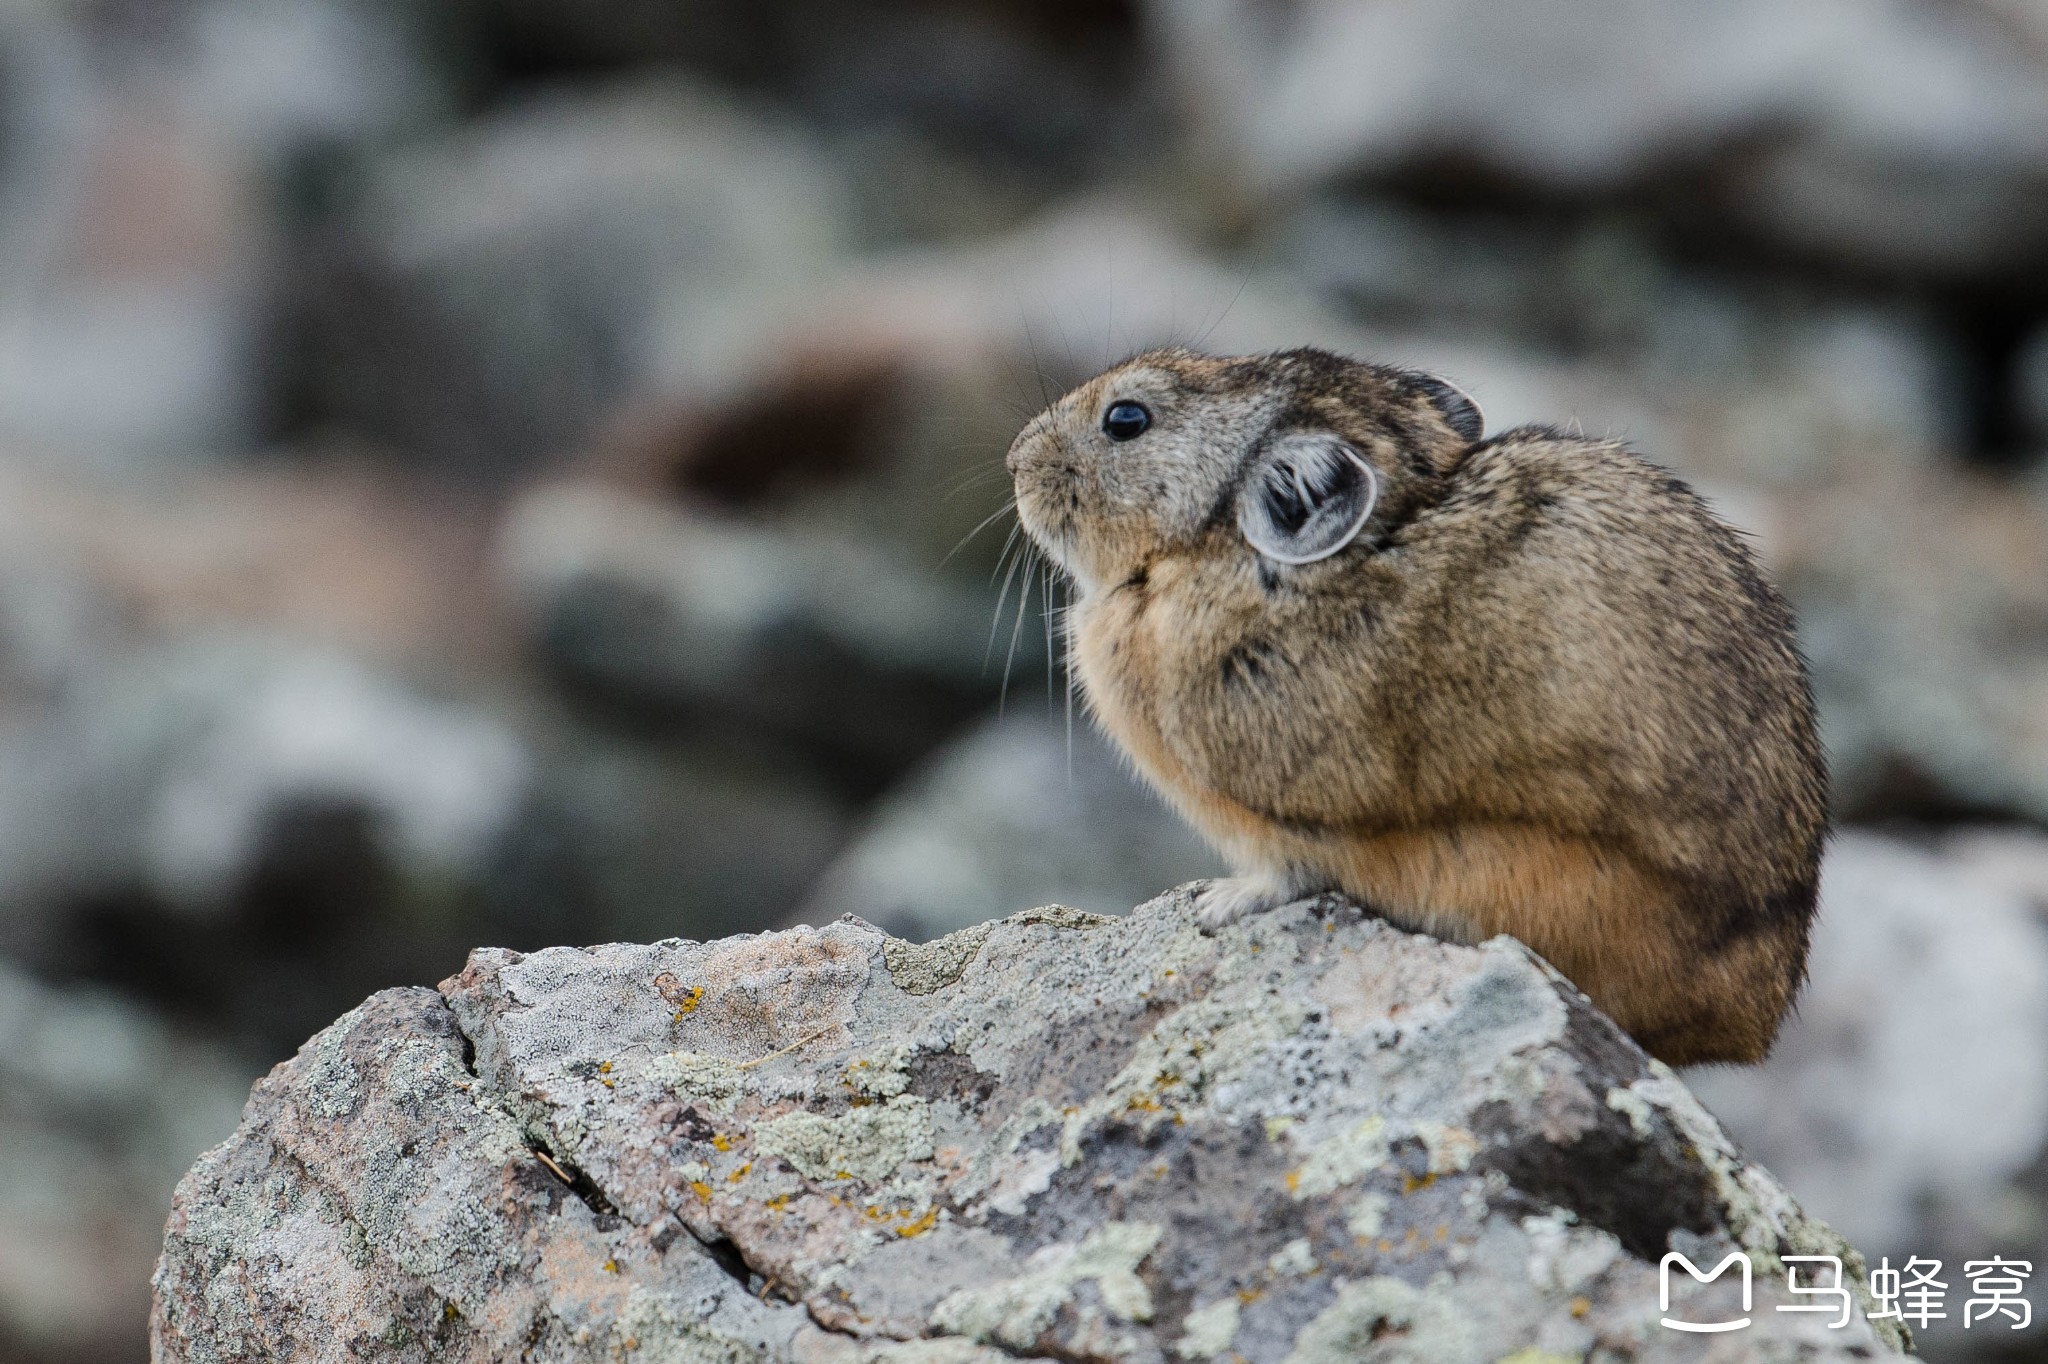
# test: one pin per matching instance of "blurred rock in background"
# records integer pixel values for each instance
(524, 472)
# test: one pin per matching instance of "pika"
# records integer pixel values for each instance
(1524, 685)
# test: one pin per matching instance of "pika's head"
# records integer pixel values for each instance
(1286, 459)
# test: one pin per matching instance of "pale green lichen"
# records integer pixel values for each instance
(1343, 1159)
(923, 968)
(1564, 1257)
(713, 1081)
(1367, 1214)
(1016, 1312)
(1636, 1109)
(1532, 1355)
(1179, 1064)
(884, 1075)
(1207, 1331)
(657, 1332)
(1292, 1260)
(869, 1143)
(1389, 1322)
(1451, 1149)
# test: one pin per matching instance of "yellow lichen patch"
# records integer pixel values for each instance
(604, 1067)
(1581, 1306)
(921, 1225)
(720, 1142)
(1410, 1183)
(611, 1266)
(737, 1175)
(780, 1201)
(689, 1000)
(1532, 1355)
(701, 1189)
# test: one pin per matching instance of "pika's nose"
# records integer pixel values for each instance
(1014, 459)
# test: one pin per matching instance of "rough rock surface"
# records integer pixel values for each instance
(1312, 1138)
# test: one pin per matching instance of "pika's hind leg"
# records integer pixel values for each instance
(1224, 901)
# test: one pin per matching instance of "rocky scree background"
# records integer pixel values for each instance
(480, 474)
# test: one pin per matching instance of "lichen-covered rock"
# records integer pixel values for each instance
(1310, 1138)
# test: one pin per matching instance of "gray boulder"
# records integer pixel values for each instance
(1892, 135)
(1311, 1138)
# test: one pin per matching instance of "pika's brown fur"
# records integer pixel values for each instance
(1543, 692)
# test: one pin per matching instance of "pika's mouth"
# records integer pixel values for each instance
(1051, 530)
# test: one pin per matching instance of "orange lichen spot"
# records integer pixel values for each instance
(1294, 1181)
(737, 1175)
(1581, 1306)
(780, 1201)
(631, 1342)
(604, 1067)
(1142, 1103)
(721, 1141)
(611, 1266)
(921, 1225)
(701, 1189)
(1443, 1232)
(689, 1002)
(1248, 1296)
(608, 1084)
(1385, 1246)
(1410, 1183)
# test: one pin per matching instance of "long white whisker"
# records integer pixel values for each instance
(1009, 541)
(1001, 597)
(986, 522)
(1016, 633)
(1046, 611)
(1067, 662)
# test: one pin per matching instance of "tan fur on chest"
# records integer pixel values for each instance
(1613, 925)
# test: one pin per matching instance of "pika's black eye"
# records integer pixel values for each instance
(1125, 420)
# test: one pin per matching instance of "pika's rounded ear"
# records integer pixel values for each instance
(1455, 404)
(1307, 497)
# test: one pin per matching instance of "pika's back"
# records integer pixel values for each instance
(1527, 684)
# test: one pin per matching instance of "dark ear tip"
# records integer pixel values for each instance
(1454, 404)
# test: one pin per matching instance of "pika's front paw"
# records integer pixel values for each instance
(1223, 902)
